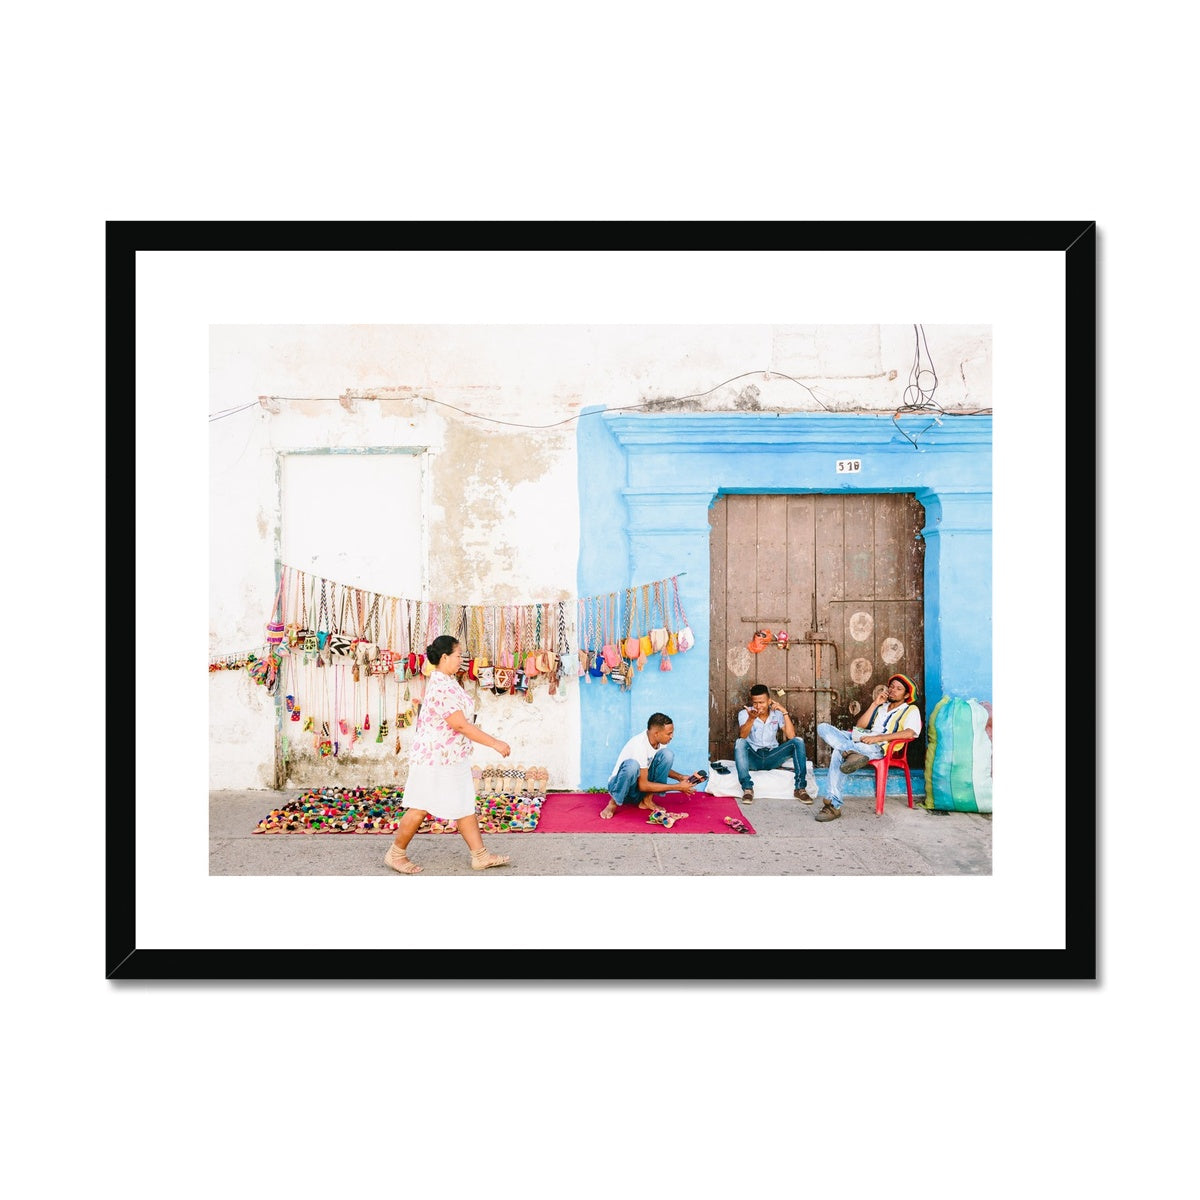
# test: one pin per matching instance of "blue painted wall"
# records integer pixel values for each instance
(646, 484)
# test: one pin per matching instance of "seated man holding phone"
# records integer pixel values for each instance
(643, 770)
(758, 747)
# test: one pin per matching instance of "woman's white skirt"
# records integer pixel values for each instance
(447, 792)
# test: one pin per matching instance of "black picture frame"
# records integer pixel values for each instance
(1076, 959)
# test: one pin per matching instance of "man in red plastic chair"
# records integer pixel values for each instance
(893, 718)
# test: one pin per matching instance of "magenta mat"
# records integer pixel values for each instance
(579, 812)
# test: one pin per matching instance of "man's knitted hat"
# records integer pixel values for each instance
(908, 683)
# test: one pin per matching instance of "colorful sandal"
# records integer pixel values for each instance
(660, 816)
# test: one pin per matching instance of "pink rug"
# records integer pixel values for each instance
(579, 812)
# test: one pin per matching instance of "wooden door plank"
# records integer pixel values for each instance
(769, 665)
(718, 519)
(859, 547)
(829, 556)
(801, 521)
(742, 602)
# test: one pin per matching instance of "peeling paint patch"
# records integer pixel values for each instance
(739, 661)
(478, 531)
(667, 404)
(892, 650)
(861, 669)
(861, 626)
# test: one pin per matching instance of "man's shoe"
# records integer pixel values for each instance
(828, 812)
(748, 796)
(854, 762)
(803, 796)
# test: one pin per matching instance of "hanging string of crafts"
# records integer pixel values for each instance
(350, 661)
(382, 635)
(619, 633)
(325, 621)
(341, 653)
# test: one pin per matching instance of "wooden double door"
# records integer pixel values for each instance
(841, 577)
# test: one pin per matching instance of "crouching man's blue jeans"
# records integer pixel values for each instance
(623, 785)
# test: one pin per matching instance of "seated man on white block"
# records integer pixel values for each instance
(758, 747)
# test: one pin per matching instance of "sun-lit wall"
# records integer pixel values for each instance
(480, 426)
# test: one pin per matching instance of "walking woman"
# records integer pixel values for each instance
(439, 778)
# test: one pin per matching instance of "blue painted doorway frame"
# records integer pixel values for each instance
(647, 482)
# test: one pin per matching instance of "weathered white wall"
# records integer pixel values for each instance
(501, 525)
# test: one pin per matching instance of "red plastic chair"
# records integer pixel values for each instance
(895, 756)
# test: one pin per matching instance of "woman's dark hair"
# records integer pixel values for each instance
(440, 647)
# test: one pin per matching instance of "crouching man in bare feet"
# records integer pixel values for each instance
(643, 770)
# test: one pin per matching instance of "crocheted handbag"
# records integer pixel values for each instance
(684, 638)
(658, 636)
(632, 646)
(275, 623)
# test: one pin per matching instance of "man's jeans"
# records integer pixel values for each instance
(747, 759)
(623, 785)
(843, 744)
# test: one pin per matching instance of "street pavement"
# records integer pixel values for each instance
(787, 841)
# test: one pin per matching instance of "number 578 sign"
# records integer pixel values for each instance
(848, 465)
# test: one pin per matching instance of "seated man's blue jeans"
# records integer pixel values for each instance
(623, 785)
(747, 759)
(842, 743)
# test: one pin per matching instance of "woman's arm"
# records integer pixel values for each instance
(457, 720)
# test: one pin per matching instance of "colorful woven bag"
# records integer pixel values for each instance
(958, 758)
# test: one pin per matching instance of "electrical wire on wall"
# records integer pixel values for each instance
(641, 406)
(918, 397)
(922, 379)
(922, 383)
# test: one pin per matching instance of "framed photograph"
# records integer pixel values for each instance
(174, 288)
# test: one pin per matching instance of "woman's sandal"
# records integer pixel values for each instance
(481, 859)
(398, 860)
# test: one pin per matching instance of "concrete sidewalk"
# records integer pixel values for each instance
(788, 841)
